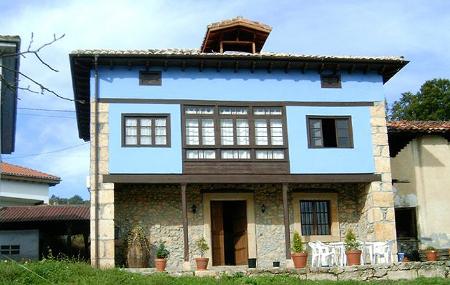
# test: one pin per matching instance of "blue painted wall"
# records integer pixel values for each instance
(144, 159)
(243, 86)
(240, 86)
(358, 159)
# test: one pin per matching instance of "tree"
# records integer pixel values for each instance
(431, 103)
(74, 200)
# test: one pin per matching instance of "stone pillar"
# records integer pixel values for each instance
(378, 218)
(102, 194)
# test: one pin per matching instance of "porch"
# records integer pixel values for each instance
(264, 217)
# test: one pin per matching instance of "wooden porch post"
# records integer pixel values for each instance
(185, 223)
(287, 232)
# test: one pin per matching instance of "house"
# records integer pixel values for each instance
(21, 186)
(33, 232)
(9, 67)
(237, 145)
(420, 163)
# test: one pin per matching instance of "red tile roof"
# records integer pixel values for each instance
(44, 213)
(19, 172)
(419, 126)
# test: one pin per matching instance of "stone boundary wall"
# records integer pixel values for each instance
(397, 271)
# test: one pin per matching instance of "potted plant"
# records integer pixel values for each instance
(202, 261)
(299, 255)
(138, 249)
(161, 256)
(431, 254)
(352, 250)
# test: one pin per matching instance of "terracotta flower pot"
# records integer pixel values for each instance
(202, 263)
(431, 255)
(353, 257)
(160, 264)
(299, 259)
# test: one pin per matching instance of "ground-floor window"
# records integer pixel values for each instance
(315, 217)
(10, 249)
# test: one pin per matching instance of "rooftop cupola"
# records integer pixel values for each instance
(237, 34)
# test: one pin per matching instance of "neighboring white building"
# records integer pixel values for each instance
(21, 186)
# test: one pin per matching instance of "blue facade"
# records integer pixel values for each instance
(277, 86)
(227, 85)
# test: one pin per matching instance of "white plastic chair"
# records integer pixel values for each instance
(382, 252)
(315, 254)
(328, 255)
(339, 250)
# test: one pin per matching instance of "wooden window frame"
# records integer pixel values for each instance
(146, 82)
(324, 84)
(250, 117)
(314, 117)
(153, 117)
(315, 225)
(317, 194)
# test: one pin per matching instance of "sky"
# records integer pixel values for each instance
(48, 140)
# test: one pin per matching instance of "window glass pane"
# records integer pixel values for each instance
(267, 111)
(161, 122)
(208, 132)
(261, 136)
(242, 132)
(276, 131)
(160, 140)
(226, 131)
(233, 111)
(278, 154)
(342, 123)
(315, 123)
(160, 131)
(145, 140)
(192, 154)
(145, 131)
(130, 140)
(209, 154)
(192, 132)
(146, 122)
(131, 131)
(261, 154)
(235, 154)
(317, 142)
(130, 122)
(199, 110)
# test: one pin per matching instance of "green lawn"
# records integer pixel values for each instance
(66, 272)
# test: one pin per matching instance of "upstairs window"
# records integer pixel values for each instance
(146, 130)
(330, 132)
(150, 78)
(234, 133)
(330, 81)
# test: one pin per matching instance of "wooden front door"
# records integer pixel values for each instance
(229, 232)
(217, 233)
(240, 233)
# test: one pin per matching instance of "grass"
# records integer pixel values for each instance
(72, 272)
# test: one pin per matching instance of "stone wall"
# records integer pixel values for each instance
(102, 215)
(377, 222)
(158, 209)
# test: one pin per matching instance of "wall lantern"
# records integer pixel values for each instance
(194, 208)
(263, 208)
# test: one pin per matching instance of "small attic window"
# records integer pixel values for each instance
(150, 78)
(330, 81)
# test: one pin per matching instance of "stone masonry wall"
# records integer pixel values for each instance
(158, 209)
(103, 191)
(377, 221)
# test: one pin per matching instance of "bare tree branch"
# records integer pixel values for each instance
(42, 88)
